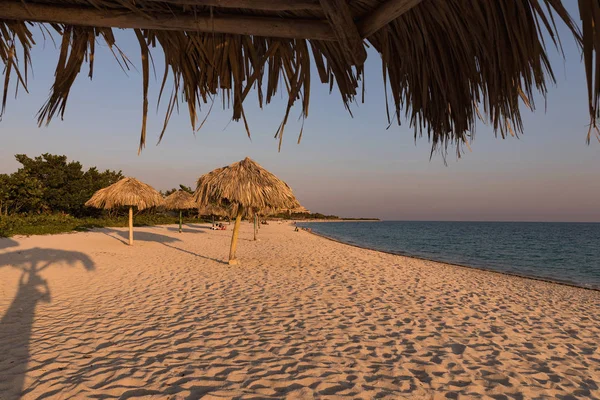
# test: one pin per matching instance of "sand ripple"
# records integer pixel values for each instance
(84, 316)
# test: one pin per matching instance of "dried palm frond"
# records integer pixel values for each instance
(180, 200)
(442, 60)
(244, 184)
(127, 192)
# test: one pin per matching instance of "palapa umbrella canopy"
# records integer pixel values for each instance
(445, 63)
(128, 192)
(180, 200)
(245, 187)
(214, 210)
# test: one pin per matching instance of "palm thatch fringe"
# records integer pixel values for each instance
(128, 192)
(445, 63)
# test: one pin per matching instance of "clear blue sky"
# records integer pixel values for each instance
(345, 166)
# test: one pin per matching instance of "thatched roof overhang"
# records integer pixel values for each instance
(445, 62)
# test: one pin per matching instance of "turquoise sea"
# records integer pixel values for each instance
(562, 252)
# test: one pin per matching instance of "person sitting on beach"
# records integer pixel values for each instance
(296, 230)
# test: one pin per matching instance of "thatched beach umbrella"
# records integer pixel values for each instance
(180, 200)
(128, 192)
(445, 63)
(244, 186)
(214, 210)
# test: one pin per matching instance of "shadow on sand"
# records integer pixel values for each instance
(16, 324)
(195, 254)
(123, 236)
(186, 229)
(197, 226)
(7, 242)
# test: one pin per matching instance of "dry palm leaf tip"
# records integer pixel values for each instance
(445, 63)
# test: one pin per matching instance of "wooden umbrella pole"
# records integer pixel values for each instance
(254, 226)
(213, 217)
(180, 221)
(131, 226)
(234, 237)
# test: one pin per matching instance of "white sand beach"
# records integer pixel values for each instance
(85, 316)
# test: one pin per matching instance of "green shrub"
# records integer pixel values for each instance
(43, 224)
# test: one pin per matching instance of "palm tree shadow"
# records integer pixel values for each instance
(7, 242)
(17, 323)
(195, 254)
(123, 236)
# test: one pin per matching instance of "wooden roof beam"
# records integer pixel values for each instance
(340, 18)
(242, 25)
(341, 26)
(265, 5)
(384, 14)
